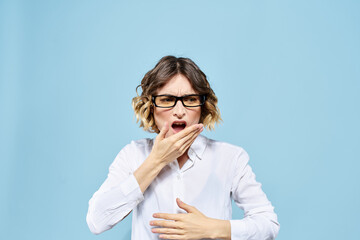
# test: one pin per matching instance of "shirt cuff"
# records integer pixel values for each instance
(238, 229)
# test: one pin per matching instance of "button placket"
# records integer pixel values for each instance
(178, 190)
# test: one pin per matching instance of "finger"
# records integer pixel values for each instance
(164, 223)
(164, 130)
(186, 207)
(171, 236)
(168, 216)
(168, 231)
(187, 131)
(186, 144)
(196, 132)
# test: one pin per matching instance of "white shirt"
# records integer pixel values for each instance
(215, 173)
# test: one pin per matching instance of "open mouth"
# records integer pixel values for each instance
(178, 126)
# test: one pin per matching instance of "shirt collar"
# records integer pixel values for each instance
(198, 146)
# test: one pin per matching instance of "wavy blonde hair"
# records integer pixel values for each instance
(157, 77)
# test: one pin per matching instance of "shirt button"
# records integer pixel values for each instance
(178, 177)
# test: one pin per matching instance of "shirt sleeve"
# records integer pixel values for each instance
(260, 221)
(117, 196)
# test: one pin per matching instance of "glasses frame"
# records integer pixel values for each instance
(202, 100)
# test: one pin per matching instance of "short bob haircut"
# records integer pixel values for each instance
(156, 78)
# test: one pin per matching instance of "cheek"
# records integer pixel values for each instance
(195, 116)
(199, 115)
(160, 118)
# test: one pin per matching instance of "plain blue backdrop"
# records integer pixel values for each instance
(286, 74)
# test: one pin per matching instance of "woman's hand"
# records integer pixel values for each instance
(168, 149)
(164, 151)
(190, 225)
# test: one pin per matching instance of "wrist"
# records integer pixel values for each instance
(220, 229)
(155, 161)
(147, 172)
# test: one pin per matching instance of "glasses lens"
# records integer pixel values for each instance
(165, 101)
(192, 101)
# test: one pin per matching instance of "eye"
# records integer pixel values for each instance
(166, 99)
(191, 99)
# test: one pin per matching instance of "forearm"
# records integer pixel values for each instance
(258, 226)
(147, 172)
(111, 204)
(118, 196)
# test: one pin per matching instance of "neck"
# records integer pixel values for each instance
(182, 159)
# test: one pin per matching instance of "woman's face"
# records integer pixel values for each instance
(179, 116)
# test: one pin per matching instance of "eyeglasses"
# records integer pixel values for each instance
(169, 101)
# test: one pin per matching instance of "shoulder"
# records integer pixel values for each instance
(142, 143)
(235, 155)
(138, 146)
(133, 153)
(222, 146)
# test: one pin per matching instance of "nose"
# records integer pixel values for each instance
(179, 110)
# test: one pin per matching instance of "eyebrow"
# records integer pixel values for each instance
(178, 96)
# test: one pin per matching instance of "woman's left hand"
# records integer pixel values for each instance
(190, 225)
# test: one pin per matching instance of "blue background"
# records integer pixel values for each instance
(286, 74)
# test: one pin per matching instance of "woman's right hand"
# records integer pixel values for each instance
(164, 151)
(168, 149)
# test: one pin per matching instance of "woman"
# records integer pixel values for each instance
(180, 184)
